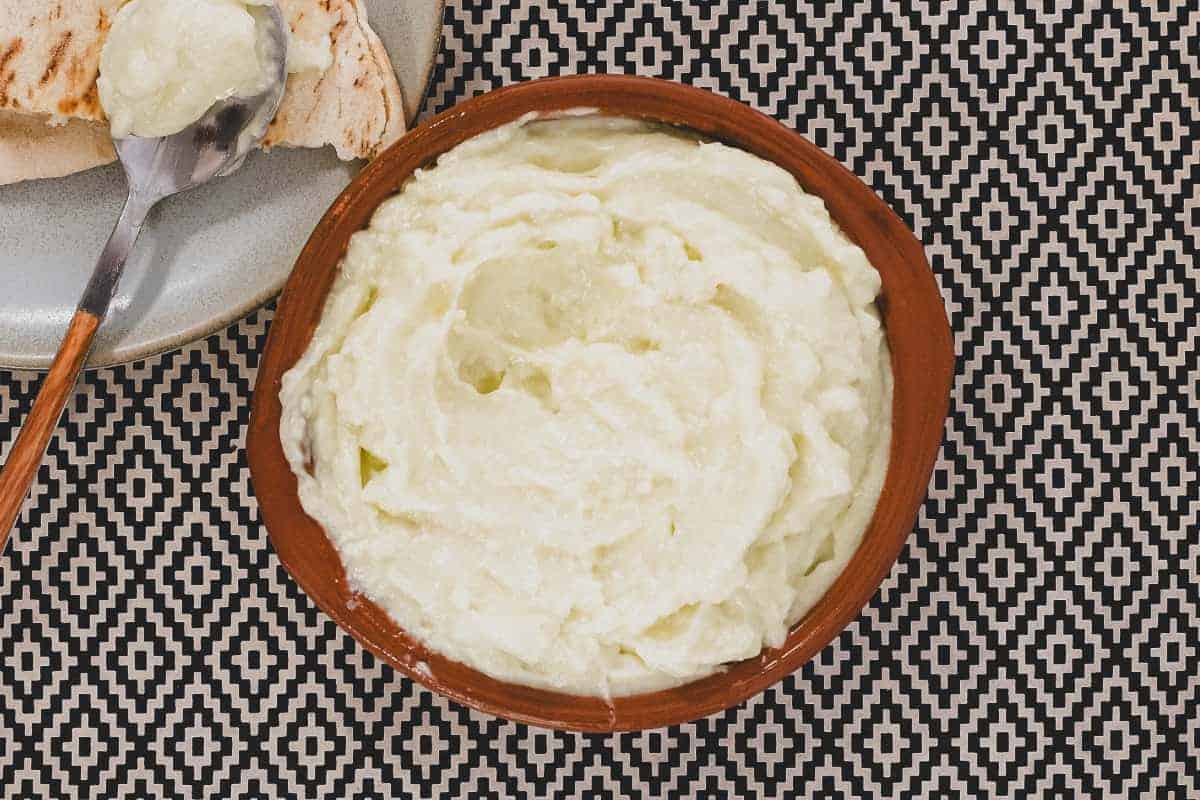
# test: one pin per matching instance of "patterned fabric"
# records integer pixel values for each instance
(1038, 637)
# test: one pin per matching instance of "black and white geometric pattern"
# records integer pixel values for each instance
(1039, 635)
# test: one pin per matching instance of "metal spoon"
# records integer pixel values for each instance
(155, 169)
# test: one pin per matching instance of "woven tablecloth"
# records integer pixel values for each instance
(1038, 635)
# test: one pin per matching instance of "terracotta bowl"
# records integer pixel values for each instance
(922, 360)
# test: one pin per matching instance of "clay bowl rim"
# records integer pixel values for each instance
(922, 358)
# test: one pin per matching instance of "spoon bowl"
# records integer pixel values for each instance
(216, 144)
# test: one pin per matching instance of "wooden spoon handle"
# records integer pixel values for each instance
(27, 452)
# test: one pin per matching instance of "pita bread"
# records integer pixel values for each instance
(50, 57)
(356, 104)
(29, 148)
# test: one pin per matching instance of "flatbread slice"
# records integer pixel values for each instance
(356, 104)
(30, 149)
(50, 57)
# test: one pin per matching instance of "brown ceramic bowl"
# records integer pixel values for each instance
(922, 361)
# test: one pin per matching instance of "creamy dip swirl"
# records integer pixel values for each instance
(595, 406)
(166, 62)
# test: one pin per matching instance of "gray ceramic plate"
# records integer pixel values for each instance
(205, 258)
